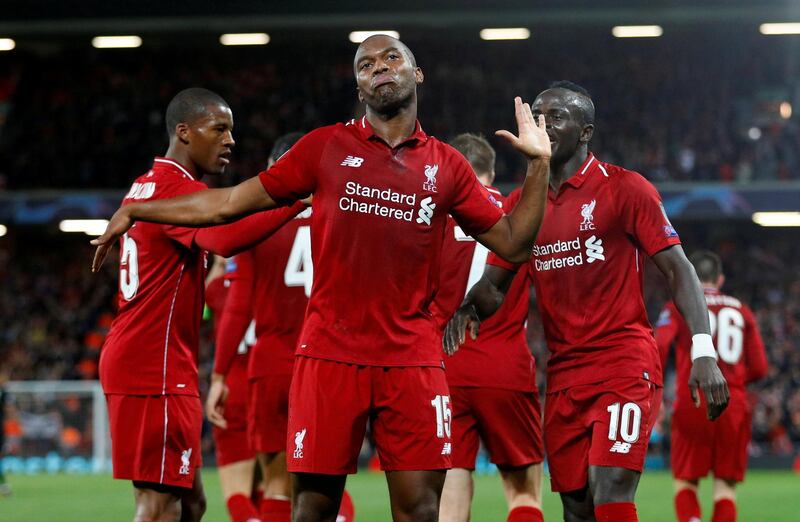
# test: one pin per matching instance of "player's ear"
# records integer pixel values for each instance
(360, 95)
(587, 133)
(418, 76)
(182, 132)
(720, 280)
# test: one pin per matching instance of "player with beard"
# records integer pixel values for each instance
(697, 444)
(604, 374)
(148, 364)
(492, 379)
(382, 192)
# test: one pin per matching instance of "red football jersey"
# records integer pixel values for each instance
(151, 348)
(235, 331)
(587, 269)
(380, 214)
(500, 357)
(742, 358)
(282, 284)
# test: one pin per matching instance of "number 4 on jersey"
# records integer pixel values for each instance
(300, 269)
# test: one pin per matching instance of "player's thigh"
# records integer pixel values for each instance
(329, 403)
(464, 429)
(692, 443)
(411, 422)
(510, 425)
(623, 412)
(731, 439)
(237, 477)
(268, 412)
(156, 439)
(567, 439)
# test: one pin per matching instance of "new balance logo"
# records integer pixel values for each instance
(594, 250)
(447, 448)
(620, 447)
(298, 444)
(352, 161)
(186, 456)
(426, 211)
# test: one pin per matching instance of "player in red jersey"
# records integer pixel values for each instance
(229, 296)
(493, 379)
(604, 374)
(148, 365)
(698, 445)
(382, 192)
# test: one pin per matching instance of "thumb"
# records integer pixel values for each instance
(506, 135)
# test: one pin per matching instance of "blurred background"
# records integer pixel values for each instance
(702, 98)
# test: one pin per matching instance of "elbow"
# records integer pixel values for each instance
(517, 256)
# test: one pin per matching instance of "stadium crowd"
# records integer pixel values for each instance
(54, 315)
(91, 120)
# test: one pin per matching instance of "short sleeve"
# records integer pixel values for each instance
(473, 207)
(493, 259)
(294, 175)
(183, 235)
(643, 215)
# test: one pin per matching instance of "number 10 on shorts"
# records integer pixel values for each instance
(441, 403)
(626, 422)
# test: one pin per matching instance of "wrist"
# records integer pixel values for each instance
(217, 377)
(702, 346)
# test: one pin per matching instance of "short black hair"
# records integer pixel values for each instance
(189, 105)
(707, 264)
(584, 99)
(283, 144)
(477, 150)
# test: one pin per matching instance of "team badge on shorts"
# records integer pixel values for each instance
(298, 444)
(186, 457)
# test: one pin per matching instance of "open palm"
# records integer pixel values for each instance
(532, 140)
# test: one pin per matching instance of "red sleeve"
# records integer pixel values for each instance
(294, 175)
(228, 240)
(643, 215)
(183, 235)
(755, 354)
(473, 207)
(493, 259)
(215, 295)
(237, 313)
(667, 328)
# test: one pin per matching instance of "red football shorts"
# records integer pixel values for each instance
(269, 413)
(700, 445)
(330, 404)
(508, 422)
(604, 424)
(155, 438)
(232, 444)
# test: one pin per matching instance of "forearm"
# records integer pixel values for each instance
(513, 236)
(230, 332)
(233, 238)
(488, 294)
(690, 300)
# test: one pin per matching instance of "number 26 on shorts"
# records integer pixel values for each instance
(625, 421)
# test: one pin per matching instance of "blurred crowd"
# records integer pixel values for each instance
(54, 315)
(697, 106)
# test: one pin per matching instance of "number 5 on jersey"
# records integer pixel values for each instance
(300, 269)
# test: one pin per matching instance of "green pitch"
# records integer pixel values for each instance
(768, 496)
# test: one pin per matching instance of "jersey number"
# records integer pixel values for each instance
(129, 268)
(441, 403)
(478, 258)
(626, 423)
(249, 339)
(728, 326)
(300, 269)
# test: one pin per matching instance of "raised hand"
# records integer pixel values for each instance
(533, 140)
(455, 332)
(119, 224)
(707, 376)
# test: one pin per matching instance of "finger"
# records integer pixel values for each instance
(474, 326)
(462, 330)
(99, 256)
(695, 396)
(540, 122)
(508, 136)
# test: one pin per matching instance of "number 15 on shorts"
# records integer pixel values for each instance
(441, 403)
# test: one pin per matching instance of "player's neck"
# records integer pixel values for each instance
(182, 157)
(561, 172)
(396, 126)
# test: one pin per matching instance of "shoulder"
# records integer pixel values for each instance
(625, 179)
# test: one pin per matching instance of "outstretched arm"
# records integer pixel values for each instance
(482, 301)
(513, 235)
(688, 296)
(201, 208)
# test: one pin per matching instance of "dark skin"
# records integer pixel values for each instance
(570, 127)
(387, 78)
